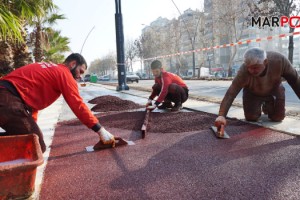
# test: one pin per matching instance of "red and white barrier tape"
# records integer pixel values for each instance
(226, 45)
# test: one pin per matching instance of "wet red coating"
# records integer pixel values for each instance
(256, 163)
(159, 122)
(112, 103)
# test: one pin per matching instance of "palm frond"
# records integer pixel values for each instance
(10, 25)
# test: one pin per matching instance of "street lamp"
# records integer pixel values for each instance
(86, 39)
(120, 48)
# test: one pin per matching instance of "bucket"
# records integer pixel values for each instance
(20, 155)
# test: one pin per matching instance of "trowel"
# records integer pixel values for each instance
(100, 145)
(220, 132)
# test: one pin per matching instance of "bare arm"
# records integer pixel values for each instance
(237, 84)
(291, 75)
(229, 97)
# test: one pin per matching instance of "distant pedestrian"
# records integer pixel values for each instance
(169, 88)
(34, 87)
(260, 77)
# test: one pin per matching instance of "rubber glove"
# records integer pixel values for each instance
(106, 137)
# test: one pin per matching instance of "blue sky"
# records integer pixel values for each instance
(83, 15)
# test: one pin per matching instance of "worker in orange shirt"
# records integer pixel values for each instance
(169, 88)
(34, 87)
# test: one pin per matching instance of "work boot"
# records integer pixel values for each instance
(177, 107)
(165, 105)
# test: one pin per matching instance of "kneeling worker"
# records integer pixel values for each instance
(168, 87)
(260, 77)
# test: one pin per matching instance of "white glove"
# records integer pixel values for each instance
(149, 102)
(151, 107)
(106, 137)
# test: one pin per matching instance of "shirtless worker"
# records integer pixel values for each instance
(34, 87)
(260, 76)
(168, 87)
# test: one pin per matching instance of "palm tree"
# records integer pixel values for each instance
(10, 24)
(6, 58)
(14, 16)
(55, 47)
(39, 35)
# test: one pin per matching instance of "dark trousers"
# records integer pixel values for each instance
(274, 104)
(176, 93)
(15, 118)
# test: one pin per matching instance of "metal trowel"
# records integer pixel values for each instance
(100, 145)
(220, 132)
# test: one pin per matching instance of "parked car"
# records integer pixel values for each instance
(104, 78)
(87, 78)
(130, 76)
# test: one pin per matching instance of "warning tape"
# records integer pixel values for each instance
(226, 45)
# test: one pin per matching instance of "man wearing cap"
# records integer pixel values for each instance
(36, 86)
(260, 76)
(168, 87)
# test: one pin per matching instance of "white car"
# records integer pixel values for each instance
(130, 76)
(104, 78)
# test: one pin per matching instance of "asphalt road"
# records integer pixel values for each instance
(217, 89)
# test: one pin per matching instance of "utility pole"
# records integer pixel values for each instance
(120, 48)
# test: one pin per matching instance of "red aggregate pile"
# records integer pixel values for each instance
(112, 103)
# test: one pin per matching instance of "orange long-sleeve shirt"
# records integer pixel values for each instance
(165, 80)
(40, 84)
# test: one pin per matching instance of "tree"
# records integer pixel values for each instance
(149, 44)
(95, 66)
(10, 25)
(41, 24)
(104, 66)
(289, 8)
(190, 21)
(55, 47)
(21, 54)
(131, 52)
(140, 51)
(14, 16)
(6, 58)
(230, 19)
(175, 33)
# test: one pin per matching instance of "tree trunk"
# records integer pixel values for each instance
(178, 66)
(141, 67)
(131, 65)
(38, 51)
(21, 54)
(233, 53)
(199, 70)
(6, 58)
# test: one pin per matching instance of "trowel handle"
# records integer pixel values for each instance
(221, 129)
